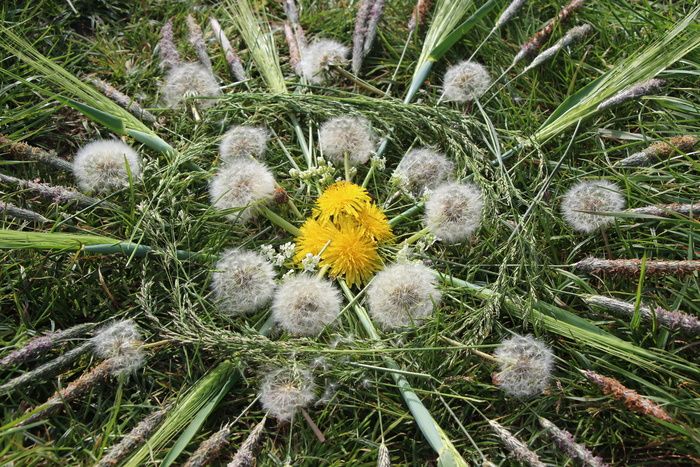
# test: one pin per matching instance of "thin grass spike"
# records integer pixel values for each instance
(22, 214)
(642, 89)
(358, 36)
(25, 151)
(508, 14)
(676, 320)
(668, 210)
(136, 437)
(232, 58)
(383, 457)
(420, 11)
(517, 448)
(566, 442)
(42, 344)
(631, 398)
(210, 449)
(294, 52)
(372, 23)
(169, 56)
(573, 35)
(633, 267)
(122, 99)
(196, 38)
(245, 457)
(660, 150)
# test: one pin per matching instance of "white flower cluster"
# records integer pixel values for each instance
(322, 172)
(310, 262)
(243, 282)
(278, 257)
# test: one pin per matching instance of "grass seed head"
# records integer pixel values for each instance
(525, 366)
(403, 295)
(351, 135)
(244, 141)
(241, 183)
(422, 168)
(585, 199)
(189, 79)
(303, 305)
(101, 166)
(244, 281)
(453, 211)
(465, 81)
(286, 390)
(318, 56)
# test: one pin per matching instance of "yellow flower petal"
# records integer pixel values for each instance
(340, 198)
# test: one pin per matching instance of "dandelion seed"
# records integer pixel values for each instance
(660, 150)
(642, 89)
(239, 184)
(304, 305)
(244, 141)
(136, 437)
(244, 281)
(453, 211)
(286, 390)
(465, 82)
(317, 58)
(101, 166)
(573, 35)
(525, 366)
(631, 398)
(190, 79)
(245, 457)
(351, 136)
(421, 169)
(517, 448)
(403, 295)
(584, 200)
(121, 343)
(568, 444)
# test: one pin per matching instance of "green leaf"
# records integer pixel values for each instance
(151, 140)
(111, 122)
(460, 31)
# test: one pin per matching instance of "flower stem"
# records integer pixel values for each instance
(278, 220)
(368, 177)
(408, 213)
(416, 236)
(346, 162)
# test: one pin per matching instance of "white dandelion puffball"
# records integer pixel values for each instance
(465, 81)
(402, 295)
(347, 135)
(243, 141)
(286, 390)
(317, 57)
(304, 305)
(453, 211)
(116, 339)
(243, 282)
(421, 169)
(101, 166)
(189, 79)
(525, 366)
(239, 184)
(585, 199)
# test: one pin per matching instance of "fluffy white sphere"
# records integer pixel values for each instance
(453, 211)
(351, 135)
(402, 295)
(465, 81)
(525, 366)
(286, 390)
(239, 184)
(585, 199)
(116, 339)
(244, 281)
(243, 141)
(101, 166)
(304, 305)
(189, 79)
(421, 169)
(316, 58)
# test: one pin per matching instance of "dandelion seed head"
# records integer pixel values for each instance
(244, 141)
(189, 79)
(421, 169)
(525, 366)
(403, 295)
(465, 81)
(121, 342)
(304, 305)
(101, 166)
(317, 58)
(241, 183)
(585, 199)
(286, 390)
(244, 281)
(347, 135)
(453, 211)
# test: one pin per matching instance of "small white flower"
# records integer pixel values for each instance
(347, 135)
(287, 249)
(465, 81)
(240, 184)
(244, 281)
(453, 211)
(304, 305)
(402, 295)
(101, 166)
(525, 366)
(585, 199)
(286, 390)
(190, 79)
(243, 141)
(310, 262)
(421, 169)
(317, 58)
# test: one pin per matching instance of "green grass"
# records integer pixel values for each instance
(522, 252)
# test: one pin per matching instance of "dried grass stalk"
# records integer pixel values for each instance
(358, 36)
(42, 344)
(136, 437)
(517, 448)
(509, 13)
(122, 99)
(57, 194)
(633, 267)
(232, 58)
(641, 89)
(210, 448)
(196, 38)
(25, 151)
(660, 150)
(566, 442)
(573, 35)
(420, 11)
(169, 57)
(294, 52)
(383, 457)
(667, 210)
(245, 457)
(11, 210)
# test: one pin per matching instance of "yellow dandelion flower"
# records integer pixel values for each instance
(352, 254)
(374, 223)
(340, 198)
(313, 236)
